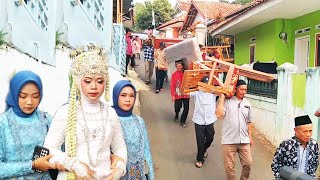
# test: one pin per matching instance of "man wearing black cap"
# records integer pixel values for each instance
(236, 131)
(301, 152)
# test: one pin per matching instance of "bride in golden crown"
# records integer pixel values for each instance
(89, 128)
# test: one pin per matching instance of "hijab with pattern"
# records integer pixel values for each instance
(16, 84)
(115, 96)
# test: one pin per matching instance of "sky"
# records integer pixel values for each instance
(173, 2)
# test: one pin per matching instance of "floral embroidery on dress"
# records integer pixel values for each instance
(137, 144)
(18, 139)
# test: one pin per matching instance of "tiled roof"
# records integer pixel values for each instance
(235, 14)
(173, 21)
(214, 9)
(183, 5)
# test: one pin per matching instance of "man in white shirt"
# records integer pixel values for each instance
(203, 117)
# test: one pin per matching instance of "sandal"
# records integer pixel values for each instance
(205, 154)
(198, 164)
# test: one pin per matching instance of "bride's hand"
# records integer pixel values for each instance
(115, 174)
(83, 171)
(114, 160)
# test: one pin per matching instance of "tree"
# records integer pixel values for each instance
(241, 1)
(224, 1)
(143, 13)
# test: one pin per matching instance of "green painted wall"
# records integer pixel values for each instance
(299, 89)
(283, 48)
(268, 44)
(308, 20)
(265, 49)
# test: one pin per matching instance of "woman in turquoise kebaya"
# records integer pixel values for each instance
(22, 127)
(134, 132)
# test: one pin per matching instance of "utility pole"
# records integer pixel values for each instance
(153, 18)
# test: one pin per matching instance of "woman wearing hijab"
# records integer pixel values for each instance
(89, 127)
(136, 49)
(134, 131)
(22, 128)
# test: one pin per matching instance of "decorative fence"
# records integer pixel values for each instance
(264, 89)
(119, 47)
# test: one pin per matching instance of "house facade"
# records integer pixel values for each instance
(192, 17)
(282, 40)
(267, 31)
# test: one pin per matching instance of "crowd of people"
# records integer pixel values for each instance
(88, 139)
(301, 152)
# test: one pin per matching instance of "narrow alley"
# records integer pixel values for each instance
(174, 147)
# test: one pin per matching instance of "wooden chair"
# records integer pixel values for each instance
(199, 69)
(220, 49)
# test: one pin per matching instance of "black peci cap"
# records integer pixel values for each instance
(240, 83)
(302, 120)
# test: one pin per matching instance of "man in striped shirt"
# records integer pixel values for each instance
(148, 60)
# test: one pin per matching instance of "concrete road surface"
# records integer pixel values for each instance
(174, 148)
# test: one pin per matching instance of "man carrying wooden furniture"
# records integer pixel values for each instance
(178, 98)
(236, 131)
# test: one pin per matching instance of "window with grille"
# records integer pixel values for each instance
(94, 9)
(38, 9)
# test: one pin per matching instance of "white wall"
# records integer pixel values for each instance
(25, 31)
(3, 13)
(55, 79)
(80, 27)
(78, 31)
(274, 118)
(169, 32)
(198, 18)
(264, 114)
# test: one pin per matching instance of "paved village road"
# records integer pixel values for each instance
(174, 148)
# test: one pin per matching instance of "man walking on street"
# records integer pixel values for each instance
(236, 131)
(148, 60)
(204, 118)
(177, 97)
(161, 66)
(129, 53)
